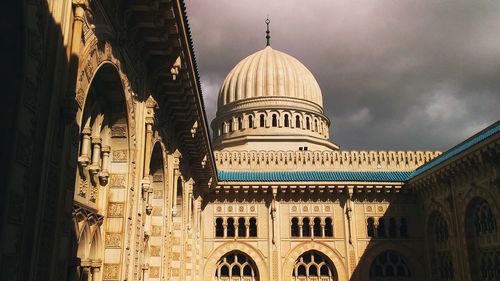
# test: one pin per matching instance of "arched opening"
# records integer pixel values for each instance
(250, 121)
(381, 228)
(314, 266)
(481, 229)
(262, 121)
(230, 227)
(328, 227)
(178, 197)
(103, 133)
(219, 227)
(370, 227)
(242, 229)
(308, 123)
(389, 266)
(439, 247)
(297, 122)
(274, 120)
(253, 227)
(287, 121)
(236, 265)
(315, 125)
(306, 227)
(317, 227)
(294, 231)
(230, 125)
(240, 123)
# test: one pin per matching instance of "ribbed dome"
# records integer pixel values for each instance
(268, 73)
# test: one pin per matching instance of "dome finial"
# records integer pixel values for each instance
(267, 31)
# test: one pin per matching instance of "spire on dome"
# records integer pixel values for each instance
(267, 32)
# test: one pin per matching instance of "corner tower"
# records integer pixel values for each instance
(271, 101)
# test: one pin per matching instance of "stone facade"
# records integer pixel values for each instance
(109, 172)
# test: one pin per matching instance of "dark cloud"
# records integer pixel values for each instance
(402, 74)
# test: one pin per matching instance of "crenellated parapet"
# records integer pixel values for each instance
(323, 160)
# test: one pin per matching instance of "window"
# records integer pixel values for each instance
(316, 125)
(328, 227)
(308, 123)
(295, 227)
(381, 227)
(440, 251)
(481, 227)
(250, 121)
(275, 121)
(253, 227)
(389, 266)
(313, 265)
(236, 266)
(306, 227)
(230, 125)
(370, 227)
(219, 228)
(262, 121)
(230, 227)
(287, 121)
(240, 123)
(242, 228)
(297, 122)
(317, 227)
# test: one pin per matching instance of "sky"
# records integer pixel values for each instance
(395, 74)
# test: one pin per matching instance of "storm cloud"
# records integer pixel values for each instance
(395, 74)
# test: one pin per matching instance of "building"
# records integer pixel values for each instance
(110, 172)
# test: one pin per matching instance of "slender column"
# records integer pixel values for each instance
(174, 193)
(96, 273)
(247, 228)
(323, 227)
(84, 160)
(79, 7)
(96, 155)
(300, 224)
(224, 225)
(104, 174)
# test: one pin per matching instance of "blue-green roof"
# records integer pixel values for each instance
(470, 142)
(360, 176)
(285, 176)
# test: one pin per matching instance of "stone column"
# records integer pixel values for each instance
(84, 160)
(95, 167)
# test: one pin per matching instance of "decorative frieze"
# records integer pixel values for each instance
(120, 155)
(310, 208)
(154, 271)
(323, 160)
(118, 180)
(236, 209)
(111, 271)
(113, 240)
(119, 131)
(116, 210)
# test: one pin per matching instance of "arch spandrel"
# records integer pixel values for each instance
(334, 256)
(250, 251)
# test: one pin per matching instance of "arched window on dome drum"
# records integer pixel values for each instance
(297, 122)
(250, 121)
(240, 123)
(219, 227)
(389, 266)
(236, 266)
(316, 125)
(274, 121)
(262, 121)
(230, 125)
(314, 266)
(481, 229)
(230, 227)
(253, 227)
(287, 121)
(308, 123)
